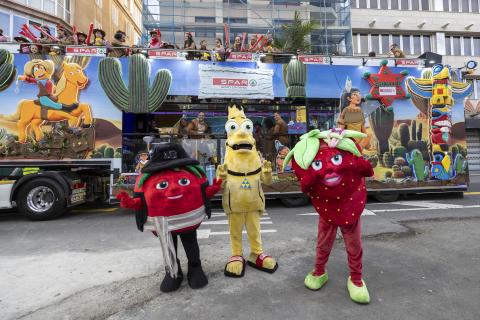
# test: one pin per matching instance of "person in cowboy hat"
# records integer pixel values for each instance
(24, 44)
(64, 37)
(118, 45)
(45, 40)
(142, 161)
(39, 72)
(99, 37)
(82, 38)
(171, 200)
(156, 39)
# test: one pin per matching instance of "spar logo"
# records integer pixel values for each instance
(227, 82)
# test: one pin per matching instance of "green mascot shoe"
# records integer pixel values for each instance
(315, 282)
(358, 294)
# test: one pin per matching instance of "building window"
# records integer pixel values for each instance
(235, 1)
(406, 44)
(425, 5)
(454, 6)
(17, 24)
(205, 34)
(373, 4)
(132, 7)
(362, 4)
(37, 4)
(410, 44)
(404, 4)
(98, 3)
(465, 6)
(476, 46)
(467, 46)
(384, 4)
(416, 5)
(394, 4)
(446, 5)
(385, 43)
(49, 6)
(240, 20)
(114, 15)
(5, 23)
(427, 47)
(474, 4)
(417, 45)
(374, 40)
(363, 43)
(205, 19)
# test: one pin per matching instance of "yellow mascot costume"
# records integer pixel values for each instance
(243, 200)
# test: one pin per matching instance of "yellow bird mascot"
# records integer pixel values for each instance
(243, 200)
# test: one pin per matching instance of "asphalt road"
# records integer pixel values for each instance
(421, 262)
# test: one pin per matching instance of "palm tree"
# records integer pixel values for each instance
(295, 35)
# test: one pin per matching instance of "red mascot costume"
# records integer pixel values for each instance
(332, 173)
(171, 200)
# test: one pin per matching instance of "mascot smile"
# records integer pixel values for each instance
(243, 200)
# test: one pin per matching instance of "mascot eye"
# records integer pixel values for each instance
(317, 165)
(71, 73)
(337, 159)
(247, 126)
(231, 126)
(184, 182)
(162, 185)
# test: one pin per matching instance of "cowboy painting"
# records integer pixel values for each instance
(40, 72)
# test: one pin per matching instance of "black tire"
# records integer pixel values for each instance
(41, 190)
(291, 202)
(386, 197)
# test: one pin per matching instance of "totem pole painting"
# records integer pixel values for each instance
(434, 94)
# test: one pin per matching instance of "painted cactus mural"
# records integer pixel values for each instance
(139, 96)
(7, 69)
(381, 121)
(295, 77)
(434, 94)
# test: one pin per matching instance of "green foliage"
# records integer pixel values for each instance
(295, 35)
(404, 134)
(381, 121)
(108, 153)
(388, 159)
(414, 130)
(399, 151)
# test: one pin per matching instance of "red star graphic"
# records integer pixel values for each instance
(386, 86)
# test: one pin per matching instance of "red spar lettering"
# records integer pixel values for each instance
(230, 82)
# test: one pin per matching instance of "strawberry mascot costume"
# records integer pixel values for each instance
(332, 171)
(171, 200)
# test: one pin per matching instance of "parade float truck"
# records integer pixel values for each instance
(78, 128)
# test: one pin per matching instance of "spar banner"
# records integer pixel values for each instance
(231, 82)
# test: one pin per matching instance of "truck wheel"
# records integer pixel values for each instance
(41, 199)
(291, 202)
(386, 197)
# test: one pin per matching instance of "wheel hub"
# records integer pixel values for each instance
(40, 199)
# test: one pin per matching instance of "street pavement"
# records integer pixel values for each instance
(421, 261)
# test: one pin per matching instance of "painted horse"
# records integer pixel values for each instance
(30, 114)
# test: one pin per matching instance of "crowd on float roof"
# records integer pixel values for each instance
(46, 43)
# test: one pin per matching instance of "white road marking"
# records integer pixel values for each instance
(206, 233)
(428, 204)
(365, 212)
(426, 209)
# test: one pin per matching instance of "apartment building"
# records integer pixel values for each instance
(15, 13)
(450, 28)
(109, 15)
(205, 19)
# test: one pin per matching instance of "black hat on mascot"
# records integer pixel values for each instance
(167, 156)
